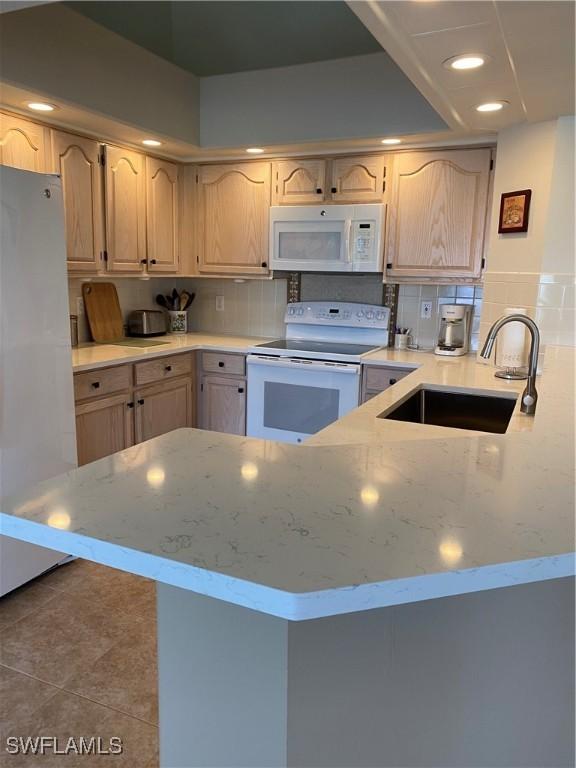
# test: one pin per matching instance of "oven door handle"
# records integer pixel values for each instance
(304, 365)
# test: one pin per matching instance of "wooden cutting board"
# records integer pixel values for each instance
(103, 311)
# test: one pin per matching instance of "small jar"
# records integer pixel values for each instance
(177, 321)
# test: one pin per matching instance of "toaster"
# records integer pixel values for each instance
(146, 322)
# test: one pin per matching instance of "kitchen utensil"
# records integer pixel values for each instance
(191, 297)
(183, 299)
(161, 300)
(175, 300)
(103, 311)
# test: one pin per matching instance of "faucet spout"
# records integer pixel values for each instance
(530, 395)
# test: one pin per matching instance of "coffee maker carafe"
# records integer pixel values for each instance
(454, 332)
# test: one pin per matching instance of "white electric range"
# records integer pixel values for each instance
(300, 384)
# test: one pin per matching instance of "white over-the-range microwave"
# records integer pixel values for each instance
(331, 238)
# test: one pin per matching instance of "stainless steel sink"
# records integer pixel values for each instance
(458, 410)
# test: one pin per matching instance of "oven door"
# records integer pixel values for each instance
(290, 399)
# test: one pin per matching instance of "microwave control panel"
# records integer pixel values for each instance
(363, 240)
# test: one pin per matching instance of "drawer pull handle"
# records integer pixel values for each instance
(168, 368)
(264, 264)
(221, 364)
(241, 390)
(95, 385)
(318, 191)
(130, 405)
(333, 190)
(393, 381)
(143, 261)
(152, 261)
(141, 401)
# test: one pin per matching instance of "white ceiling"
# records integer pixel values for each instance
(530, 45)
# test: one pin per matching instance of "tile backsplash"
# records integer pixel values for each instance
(425, 331)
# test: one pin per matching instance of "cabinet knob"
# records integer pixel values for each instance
(141, 401)
(318, 191)
(264, 263)
(95, 385)
(152, 261)
(143, 261)
(220, 364)
(389, 265)
(334, 190)
(393, 381)
(241, 390)
(130, 405)
(168, 368)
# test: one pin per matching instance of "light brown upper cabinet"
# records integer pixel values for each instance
(358, 179)
(125, 210)
(437, 216)
(77, 160)
(162, 215)
(234, 203)
(24, 144)
(298, 182)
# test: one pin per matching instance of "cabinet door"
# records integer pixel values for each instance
(77, 160)
(436, 223)
(358, 179)
(234, 211)
(125, 210)
(162, 408)
(223, 404)
(162, 215)
(104, 427)
(299, 181)
(24, 144)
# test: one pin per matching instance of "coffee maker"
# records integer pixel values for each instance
(454, 331)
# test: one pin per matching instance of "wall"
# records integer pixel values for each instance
(76, 60)
(355, 97)
(425, 332)
(535, 269)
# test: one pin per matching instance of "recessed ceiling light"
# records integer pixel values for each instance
(41, 106)
(152, 142)
(466, 61)
(255, 150)
(391, 141)
(491, 106)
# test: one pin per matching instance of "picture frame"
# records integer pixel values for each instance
(514, 211)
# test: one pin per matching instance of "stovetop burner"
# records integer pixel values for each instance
(318, 347)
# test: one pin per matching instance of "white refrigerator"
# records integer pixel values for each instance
(37, 425)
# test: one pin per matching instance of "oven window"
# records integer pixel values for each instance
(295, 408)
(309, 246)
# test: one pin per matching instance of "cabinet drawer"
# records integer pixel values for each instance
(163, 368)
(103, 381)
(379, 379)
(215, 362)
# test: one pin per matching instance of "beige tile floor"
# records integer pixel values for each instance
(78, 658)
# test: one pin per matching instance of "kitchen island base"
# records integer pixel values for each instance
(482, 679)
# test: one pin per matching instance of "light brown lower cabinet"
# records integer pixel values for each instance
(161, 408)
(376, 379)
(223, 404)
(104, 426)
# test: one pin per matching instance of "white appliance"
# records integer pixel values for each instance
(454, 333)
(37, 426)
(300, 384)
(331, 238)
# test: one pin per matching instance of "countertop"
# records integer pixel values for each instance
(368, 513)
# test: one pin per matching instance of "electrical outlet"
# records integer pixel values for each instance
(79, 306)
(219, 303)
(426, 310)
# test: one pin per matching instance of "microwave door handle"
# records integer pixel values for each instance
(348, 241)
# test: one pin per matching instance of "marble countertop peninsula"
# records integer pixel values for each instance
(368, 513)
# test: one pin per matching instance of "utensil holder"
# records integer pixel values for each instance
(177, 321)
(401, 340)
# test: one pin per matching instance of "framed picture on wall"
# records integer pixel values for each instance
(514, 210)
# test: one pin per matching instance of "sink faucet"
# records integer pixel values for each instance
(529, 396)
